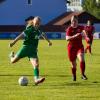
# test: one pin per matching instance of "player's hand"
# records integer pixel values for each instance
(87, 39)
(11, 44)
(50, 43)
(77, 34)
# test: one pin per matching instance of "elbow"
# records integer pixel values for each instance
(67, 38)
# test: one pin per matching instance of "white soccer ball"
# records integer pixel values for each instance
(23, 81)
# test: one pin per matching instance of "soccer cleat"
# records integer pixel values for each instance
(39, 80)
(11, 54)
(84, 77)
(74, 78)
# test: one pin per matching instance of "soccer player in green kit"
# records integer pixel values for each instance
(30, 44)
(29, 21)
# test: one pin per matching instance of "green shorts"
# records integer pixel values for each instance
(27, 51)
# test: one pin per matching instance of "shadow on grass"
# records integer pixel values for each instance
(49, 75)
(32, 75)
(96, 54)
(78, 84)
(72, 84)
(15, 75)
(59, 84)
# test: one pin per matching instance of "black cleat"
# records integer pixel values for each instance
(74, 78)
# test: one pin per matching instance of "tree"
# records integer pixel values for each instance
(67, 1)
(92, 7)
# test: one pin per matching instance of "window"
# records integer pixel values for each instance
(29, 2)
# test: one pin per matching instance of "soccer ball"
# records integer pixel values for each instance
(23, 81)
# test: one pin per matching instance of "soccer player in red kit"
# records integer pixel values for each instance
(90, 31)
(75, 47)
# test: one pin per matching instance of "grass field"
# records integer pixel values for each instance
(55, 67)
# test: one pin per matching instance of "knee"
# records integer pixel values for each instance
(36, 64)
(74, 64)
(82, 59)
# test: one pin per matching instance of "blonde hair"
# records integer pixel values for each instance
(37, 18)
(74, 17)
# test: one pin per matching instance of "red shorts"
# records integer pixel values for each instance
(73, 51)
(91, 39)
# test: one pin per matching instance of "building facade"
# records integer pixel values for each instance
(75, 5)
(13, 12)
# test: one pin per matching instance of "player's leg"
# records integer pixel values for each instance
(20, 54)
(72, 55)
(82, 64)
(73, 68)
(35, 64)
(90, 44)
(87, 46)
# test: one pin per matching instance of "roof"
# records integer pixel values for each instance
(65, 18)
(20, 28)
(59, 24)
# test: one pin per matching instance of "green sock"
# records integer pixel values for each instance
(36, 73)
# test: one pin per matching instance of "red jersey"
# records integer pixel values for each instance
(89, 30)
(72, 31)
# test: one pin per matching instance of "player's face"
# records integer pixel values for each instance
(29, 22)
(74, 22)
(36, 22)
(88, 23)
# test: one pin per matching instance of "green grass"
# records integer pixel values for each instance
(55, 67)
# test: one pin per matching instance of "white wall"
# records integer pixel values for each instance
(97, 27)
(13, 12)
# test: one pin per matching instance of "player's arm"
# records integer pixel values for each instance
(45, 37)
(68, 34)
(68, 38)
(16, 39)
(85, 35)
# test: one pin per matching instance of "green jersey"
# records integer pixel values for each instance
(32, 36)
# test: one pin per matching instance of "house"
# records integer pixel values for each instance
(13, 12)
(74, 5)
(64, 20)
(61, 23)
(58, 24)
(53, 13)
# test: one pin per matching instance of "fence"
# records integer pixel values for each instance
(50, 35)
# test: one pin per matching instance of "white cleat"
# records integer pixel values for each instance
(11, 54)
(39, 80)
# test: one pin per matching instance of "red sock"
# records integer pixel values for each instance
(89, 47)
(82, 67)
(74, 71)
